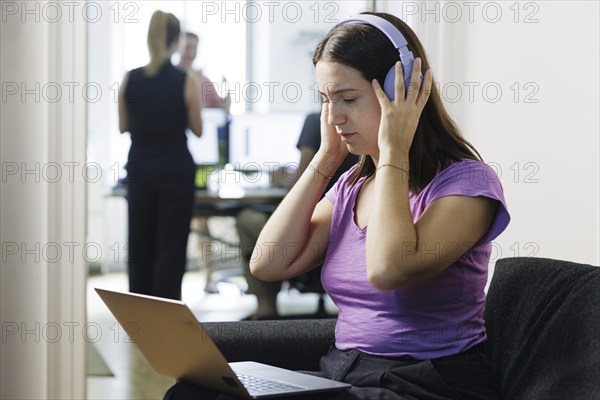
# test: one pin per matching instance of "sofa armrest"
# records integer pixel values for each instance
(291, 344)
(542, 319)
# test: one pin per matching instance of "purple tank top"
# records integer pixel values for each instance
(439, 317)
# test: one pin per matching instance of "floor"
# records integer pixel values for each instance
(133, 378)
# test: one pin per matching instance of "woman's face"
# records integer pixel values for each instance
(354, 110)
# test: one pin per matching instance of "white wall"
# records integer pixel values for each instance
(20, 211)
(545, 143)
(42, 206)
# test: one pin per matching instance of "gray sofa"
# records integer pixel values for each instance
(542, 319)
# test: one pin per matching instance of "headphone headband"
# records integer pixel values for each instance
(383, 25)
(395, 36)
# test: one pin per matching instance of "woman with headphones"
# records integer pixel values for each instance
(404, 236)
(157, 103)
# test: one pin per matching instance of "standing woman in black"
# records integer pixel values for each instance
(157, 103)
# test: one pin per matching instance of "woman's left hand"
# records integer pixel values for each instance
(400, 117)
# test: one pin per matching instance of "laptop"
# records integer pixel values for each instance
(175, 344)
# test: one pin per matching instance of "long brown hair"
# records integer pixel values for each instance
(437, 141)
(164, 29)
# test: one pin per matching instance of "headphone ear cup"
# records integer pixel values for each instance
(389, 83)
(390, 80)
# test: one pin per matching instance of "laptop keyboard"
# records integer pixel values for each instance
(258, 385)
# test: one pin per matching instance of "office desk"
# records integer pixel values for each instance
(229, 201)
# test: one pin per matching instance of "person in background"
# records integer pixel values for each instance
(157, 103)
(249, 222)
(209, 96)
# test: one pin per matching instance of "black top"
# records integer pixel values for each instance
(311, 137)
(155, 105)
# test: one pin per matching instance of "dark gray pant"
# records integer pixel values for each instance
(160, 195)
(465, 376)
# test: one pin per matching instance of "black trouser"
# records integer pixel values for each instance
(160, 194)
(465, 376)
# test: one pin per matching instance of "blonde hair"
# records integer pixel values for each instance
(164, 29)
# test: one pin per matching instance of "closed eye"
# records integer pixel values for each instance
(337, 95)
(326, 100)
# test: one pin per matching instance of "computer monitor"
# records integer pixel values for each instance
(259, 141)
(252, 143)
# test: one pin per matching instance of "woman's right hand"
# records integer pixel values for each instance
(332, 150)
